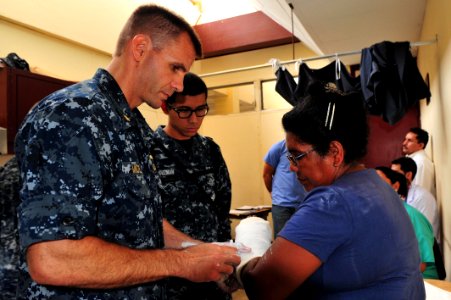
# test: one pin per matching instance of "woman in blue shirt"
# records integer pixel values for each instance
(351, 237)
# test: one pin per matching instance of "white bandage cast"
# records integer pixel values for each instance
(255, 233)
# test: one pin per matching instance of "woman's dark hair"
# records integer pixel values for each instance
(394, 177)
(193, 85)
(325, 115)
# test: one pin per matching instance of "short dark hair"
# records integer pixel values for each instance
(193, 85)
(406, 164)
(325, 115)
(422, 135)
(160, 24)
(394, 177)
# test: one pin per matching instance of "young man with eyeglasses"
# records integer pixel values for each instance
(195, 184)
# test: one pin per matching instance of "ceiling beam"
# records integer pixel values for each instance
(242, 33)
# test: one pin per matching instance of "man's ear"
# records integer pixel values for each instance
(409, 176)
(140, 45)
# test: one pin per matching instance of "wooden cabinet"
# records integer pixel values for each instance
(19, 91)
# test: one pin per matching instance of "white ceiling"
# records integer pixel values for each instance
(324, 26)
(331, 26)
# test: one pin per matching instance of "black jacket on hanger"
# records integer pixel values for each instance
(390, 80)
(285, 85)
(328, 74)
(292, 92)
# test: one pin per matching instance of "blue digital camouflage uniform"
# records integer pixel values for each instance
(9, 239)
(87, 171)
(196, 195)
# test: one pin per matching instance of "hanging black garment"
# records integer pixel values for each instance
(285, 85)
(330, 74)
(290, 91)
(390, 80)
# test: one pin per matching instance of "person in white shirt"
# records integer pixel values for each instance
(413, 146)
(418, 196)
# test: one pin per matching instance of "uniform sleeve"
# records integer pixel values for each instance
(61, 180)
(224, 196)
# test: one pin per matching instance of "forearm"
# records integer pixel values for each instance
(267, 179)
(94, 263)
(422, 267)
(268, 173)
(173, 238)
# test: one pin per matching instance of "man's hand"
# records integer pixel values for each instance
(209, 262)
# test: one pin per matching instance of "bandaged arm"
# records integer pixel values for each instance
(255, 233)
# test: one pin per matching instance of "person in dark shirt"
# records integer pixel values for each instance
(90, 220)
(196, 187)
(9, 238)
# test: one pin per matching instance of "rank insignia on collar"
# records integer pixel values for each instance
(136, 169)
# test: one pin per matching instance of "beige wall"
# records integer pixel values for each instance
(50, 55)
(245, 138)
(435, 60)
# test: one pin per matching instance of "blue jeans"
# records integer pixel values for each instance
(280, 215)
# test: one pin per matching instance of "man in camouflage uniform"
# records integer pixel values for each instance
(90, 221)
(9, 240)
(196, 186)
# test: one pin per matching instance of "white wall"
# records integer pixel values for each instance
(435, 60)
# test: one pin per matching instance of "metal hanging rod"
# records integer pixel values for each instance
(412, 44)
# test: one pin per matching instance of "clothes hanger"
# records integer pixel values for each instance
(298, 63)
(337, 67)
(275, 63)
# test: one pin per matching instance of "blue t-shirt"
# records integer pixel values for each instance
(362, 234)
(287, 191)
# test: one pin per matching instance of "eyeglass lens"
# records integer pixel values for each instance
(186, 112)
(294, 159)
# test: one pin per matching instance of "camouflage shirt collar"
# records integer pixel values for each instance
(111, 89)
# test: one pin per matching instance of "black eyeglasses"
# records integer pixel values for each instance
(294, 159)
(185, 112)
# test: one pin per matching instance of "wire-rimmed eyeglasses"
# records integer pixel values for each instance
(294, 159)
(185, 112)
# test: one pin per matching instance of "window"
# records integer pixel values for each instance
(272, 99)
(231, 99)
(241, 98)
